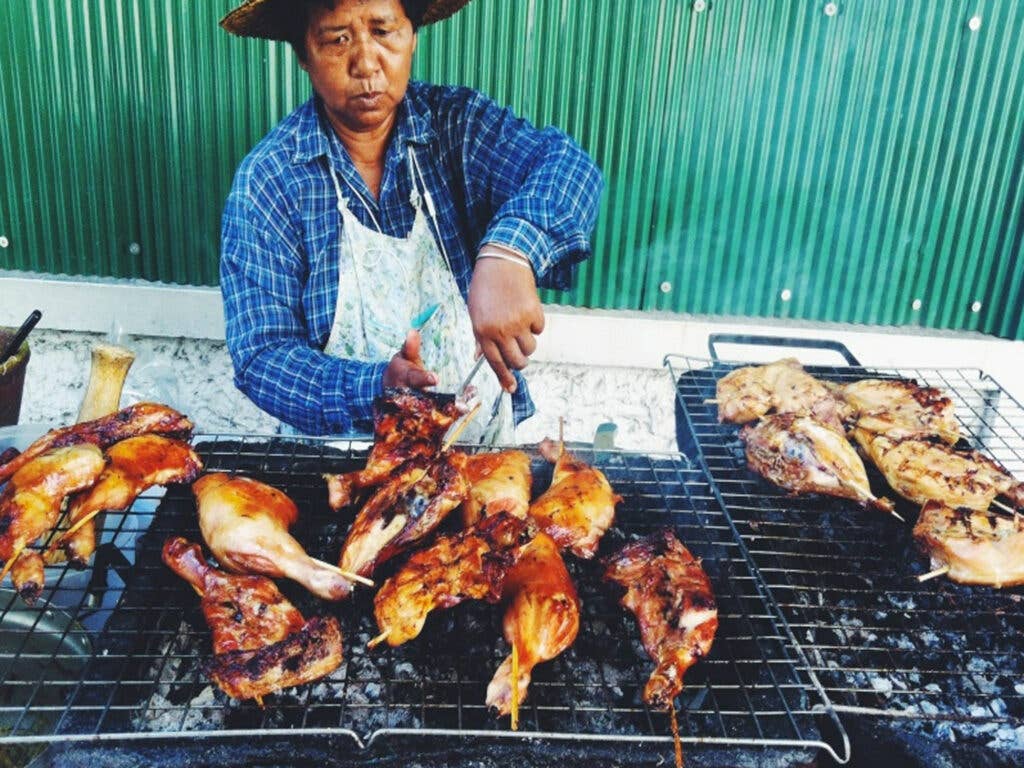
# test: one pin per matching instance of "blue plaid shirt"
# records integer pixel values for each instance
(494, 178)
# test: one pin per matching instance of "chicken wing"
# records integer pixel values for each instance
(261, 643)
(978, 548)
(920, 471)
(542, 617)
(470, 565)
(801, 455)
(407, 423)
(901, 409)
(578, 507)
(498, 482)
(138, 419)
(135, 464)
(245, 524)
(30, 503)
(404, 511)
(784, 386)
(670, 595)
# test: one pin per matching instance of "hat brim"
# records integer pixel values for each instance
(269, 19)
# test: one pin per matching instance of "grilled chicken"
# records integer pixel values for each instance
(921, 471)
(784, 386)
(261, 643)
(245, 524)
(542, 617)
(469, 565)
(670, 595)
(978, 548)
(578, 507)
(404, 511)
(801, 455)
(30, 503)
(138, 419)
(498, 482)
(135, 464)
(407, 424)
(28, 576)
(901, 409)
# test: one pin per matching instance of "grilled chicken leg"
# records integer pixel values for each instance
(405, 510)
(245, 523)
(407, 424)
(541, 620)
(134, 465)
(978, 548)
(498, 482)
(137, 419)
(668, 591)
(804, 456)
(921, 471)
(30, 503)
(261, 643)
(578, 507)
(28, 576)
(470, 565)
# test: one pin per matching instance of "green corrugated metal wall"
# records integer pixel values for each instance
(867, 163)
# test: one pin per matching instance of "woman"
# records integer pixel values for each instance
(377, 200)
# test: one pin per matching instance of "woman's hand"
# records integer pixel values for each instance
(406, 369)
(506, 315)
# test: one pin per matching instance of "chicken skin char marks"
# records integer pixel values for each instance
(134, 465)
(138, 419)
(407, 424)
(404, 511)
(803, 456)
(578, 507)
(470, 565)
(30, 504)
(978, 548)
(245, 524)
(670, 595)
(498, 482)
(542, 617)
(261, 643)
(921, 471)
(784, 386)
(900, 409)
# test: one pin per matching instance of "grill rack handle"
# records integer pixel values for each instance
(779, 341)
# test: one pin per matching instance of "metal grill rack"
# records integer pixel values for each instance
(844, 577)
(135, 671)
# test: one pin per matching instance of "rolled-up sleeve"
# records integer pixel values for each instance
(538, 189)
(263, 274)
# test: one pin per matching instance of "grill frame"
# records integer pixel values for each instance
(807, 557)
(662, 488)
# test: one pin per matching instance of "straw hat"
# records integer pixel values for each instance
(269, 18)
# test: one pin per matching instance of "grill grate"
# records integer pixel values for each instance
(844, 577)
(142, 676)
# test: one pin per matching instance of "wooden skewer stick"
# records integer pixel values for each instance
(711, 401)
(71, 531)
(379, 639)
(466, 418)
(345, 574)
(10, 561)
(897, 515)
(515, 686)
(676, 742)
(1004, 507)
(259, 700)
(933, 574)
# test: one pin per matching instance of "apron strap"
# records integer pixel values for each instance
(414, 197)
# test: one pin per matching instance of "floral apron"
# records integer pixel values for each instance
(385, 282)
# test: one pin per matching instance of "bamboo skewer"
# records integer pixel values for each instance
(379, 639)
(460, 428)
(71, 531)
(933, 574)
(515, 686)
(1004, 507)
(676, 742)
(710, 401)
(345, 574)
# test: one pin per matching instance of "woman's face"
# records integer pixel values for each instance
(359, 57)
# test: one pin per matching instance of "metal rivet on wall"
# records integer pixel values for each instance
(699, 6)
(974, 24)
(976, 306)
(4, 242)
(916, 305)
(134, 249)
(831, 9)
(666, 287)
(786, 294)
